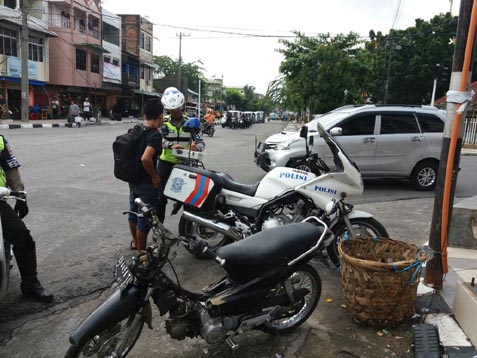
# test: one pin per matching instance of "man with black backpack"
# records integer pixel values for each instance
(135, 160)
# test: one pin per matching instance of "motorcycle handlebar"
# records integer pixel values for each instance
(6, 193)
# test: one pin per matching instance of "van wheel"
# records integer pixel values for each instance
(424, 176)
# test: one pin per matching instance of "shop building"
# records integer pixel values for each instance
(111, 60)
(137, 64)
(10, 55)
(75, 57)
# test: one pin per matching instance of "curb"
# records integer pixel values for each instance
(59, 125)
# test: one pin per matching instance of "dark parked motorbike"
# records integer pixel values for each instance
(209, 129)
(268, 286)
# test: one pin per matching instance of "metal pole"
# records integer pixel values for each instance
(179, 70)
(434, 91)
(198, 102)
(24, 59)
(386, 85)
(439, 228)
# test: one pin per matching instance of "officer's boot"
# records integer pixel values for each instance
(30, 286)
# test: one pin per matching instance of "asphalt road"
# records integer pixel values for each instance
(76, 206)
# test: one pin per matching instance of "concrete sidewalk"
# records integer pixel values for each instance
(57, 123)
(329, 332)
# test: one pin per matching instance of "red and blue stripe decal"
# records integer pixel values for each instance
(201, 190)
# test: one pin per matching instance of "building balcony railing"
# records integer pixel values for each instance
(65, 23)
(93, 33)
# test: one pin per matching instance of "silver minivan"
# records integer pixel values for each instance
(387, 141)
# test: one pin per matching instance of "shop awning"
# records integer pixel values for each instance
(145, 93)
(152, 65)
(93, 47)
(19, 80)
(31, 25)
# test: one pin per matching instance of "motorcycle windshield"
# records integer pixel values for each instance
(335, 149)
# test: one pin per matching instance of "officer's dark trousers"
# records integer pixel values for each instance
(16, 233)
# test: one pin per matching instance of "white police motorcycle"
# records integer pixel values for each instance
(219, 210)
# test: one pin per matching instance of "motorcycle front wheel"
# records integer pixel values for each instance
(304, 277)
(363, 227)
(115, 341)
(205, 236)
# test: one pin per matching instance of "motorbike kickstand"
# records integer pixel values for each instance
(224, 349)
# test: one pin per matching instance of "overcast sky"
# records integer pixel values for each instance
(235, 53)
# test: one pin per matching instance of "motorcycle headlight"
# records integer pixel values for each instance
(331, 207)
(287, 144)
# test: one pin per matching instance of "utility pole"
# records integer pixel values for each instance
(446, 182)
(179, 70)
(24, 59)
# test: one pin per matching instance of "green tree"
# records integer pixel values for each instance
(318, 70)
(250, 102)
(193, 71)
(406, 60)
(233, 98)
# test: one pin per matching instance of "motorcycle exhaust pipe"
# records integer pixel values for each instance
(219, 227)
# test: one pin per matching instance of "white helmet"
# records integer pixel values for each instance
(172, 98)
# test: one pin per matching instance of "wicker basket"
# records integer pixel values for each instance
(379, 278)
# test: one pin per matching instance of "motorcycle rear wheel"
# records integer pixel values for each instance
(212, 239)
(304, 277)
(115, 341)
(369, 227)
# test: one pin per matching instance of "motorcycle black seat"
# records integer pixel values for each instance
(230, 184)
(266, 250)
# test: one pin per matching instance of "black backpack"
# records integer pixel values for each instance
(127, 151)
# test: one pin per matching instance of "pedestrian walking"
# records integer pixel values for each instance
(74, 112)
(86, 110)
(55, 106)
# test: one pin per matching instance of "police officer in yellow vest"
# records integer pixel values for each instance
(175, 138)
(14, 230)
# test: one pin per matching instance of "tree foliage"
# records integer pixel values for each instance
(167, 66)
(324, 72)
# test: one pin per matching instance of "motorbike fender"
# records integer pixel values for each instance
(116, 308)
(355, 214)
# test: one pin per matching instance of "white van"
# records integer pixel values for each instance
(386, 141)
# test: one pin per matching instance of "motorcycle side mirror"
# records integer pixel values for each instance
(304, 132)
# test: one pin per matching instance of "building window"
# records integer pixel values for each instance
(35, 49)
(141, 40)
(94, 63)
(115, 62)
(111, 34)
(8, 42)
(107, 59)
(148, 43)
(12, 4)
(80, 59)
(142, 72)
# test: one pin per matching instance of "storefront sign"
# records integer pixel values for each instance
(111, 73)
(14, 68)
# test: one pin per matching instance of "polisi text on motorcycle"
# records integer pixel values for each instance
(325, 189)
(294, 176)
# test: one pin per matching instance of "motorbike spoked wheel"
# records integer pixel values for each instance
(303, 277)
(363, 227)
(116, 341)
(205, 236)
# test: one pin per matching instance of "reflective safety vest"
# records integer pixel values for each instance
(174, 134)
(3, 177)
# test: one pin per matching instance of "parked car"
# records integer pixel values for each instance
(386, 141)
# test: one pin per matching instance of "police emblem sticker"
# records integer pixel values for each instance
(177, 184)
